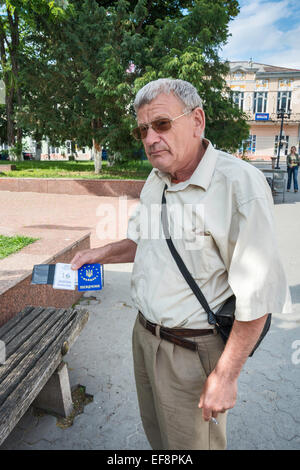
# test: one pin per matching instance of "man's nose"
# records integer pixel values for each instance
(151, 138)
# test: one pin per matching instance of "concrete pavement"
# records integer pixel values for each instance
(267, 413)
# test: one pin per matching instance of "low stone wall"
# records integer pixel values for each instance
(8, 167)
(76, 187)
(23, 293)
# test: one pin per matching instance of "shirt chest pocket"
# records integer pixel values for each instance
(201, 254)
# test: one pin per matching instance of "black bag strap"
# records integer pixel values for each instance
(182, 267)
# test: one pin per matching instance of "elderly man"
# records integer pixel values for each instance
(228, 244)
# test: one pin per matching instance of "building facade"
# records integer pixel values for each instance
(262, 92)
(64, 152)
(45, 151)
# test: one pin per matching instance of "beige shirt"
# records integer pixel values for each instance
(221, 223)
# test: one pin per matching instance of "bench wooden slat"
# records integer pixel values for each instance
(16, 357)
(25, 321)
(13, 379)
(23, 334)
(12, 323)
(21, 398)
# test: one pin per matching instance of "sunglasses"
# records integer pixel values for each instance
(160, 126)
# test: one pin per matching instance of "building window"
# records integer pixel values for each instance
(251, 144)
(238, 99)
(286, 83)
(260, 102)
(238, 76)
(284, 101)
(285, 145)
(262, 84)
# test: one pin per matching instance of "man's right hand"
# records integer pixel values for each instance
(85, 257)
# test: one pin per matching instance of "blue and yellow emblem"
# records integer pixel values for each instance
(90, 277)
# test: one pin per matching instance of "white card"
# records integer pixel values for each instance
(64, 277)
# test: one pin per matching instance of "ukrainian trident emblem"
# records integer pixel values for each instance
(89, 272)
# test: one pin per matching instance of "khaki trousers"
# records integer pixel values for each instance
(169, 381)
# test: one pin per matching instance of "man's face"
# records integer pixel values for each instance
(176, 149)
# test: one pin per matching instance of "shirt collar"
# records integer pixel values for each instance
(202, 175)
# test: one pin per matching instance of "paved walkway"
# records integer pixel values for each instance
(267, 414)
(57, 220)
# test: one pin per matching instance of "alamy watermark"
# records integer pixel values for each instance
(62, 3)
(183, 222)
(296, 354)
(2, 92)
(2, 352)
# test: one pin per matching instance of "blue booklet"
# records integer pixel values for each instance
(90, 277)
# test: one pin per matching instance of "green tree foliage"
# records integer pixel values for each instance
(81, 70)
(16, 19)
(78, 79)
(187, 47)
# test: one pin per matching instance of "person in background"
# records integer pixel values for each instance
(293, 162)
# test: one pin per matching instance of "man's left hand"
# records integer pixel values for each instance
(218, 395)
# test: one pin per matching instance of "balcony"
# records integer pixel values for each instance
(273, 117)
(294, 117)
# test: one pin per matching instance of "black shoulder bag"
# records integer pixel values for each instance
(223, 319)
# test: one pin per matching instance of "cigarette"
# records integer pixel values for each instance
(214, 420)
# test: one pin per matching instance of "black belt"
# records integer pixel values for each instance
(174, 334)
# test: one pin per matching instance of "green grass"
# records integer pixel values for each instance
(9, 245)
(80, 169)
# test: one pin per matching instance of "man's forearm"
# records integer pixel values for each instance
(117, 252)
(220, 390)
(241, 341)
(120, 252)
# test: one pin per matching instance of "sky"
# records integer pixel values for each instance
(268, 31)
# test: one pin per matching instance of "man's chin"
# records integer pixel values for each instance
(160, 161)
(161, 167)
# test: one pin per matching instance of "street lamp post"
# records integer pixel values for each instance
(281, 114)
(245, 143)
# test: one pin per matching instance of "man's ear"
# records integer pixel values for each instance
(199, 122)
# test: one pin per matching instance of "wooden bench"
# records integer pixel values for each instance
(33, 373)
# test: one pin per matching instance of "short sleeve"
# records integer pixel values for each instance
(255, 271)
(133, 229)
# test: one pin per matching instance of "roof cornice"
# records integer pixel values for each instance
(262, 69)
(278, 74)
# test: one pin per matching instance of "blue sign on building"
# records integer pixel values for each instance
(261, 116)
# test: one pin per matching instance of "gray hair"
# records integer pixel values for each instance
(183, 90)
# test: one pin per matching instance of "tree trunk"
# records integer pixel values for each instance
(38, 150)
(10, 123)
(13, 21)
(9, 94)
(19, 146)
(97, 151)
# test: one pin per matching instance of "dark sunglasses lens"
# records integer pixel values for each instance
(135, 132)
(161, 125)
(140, 132)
